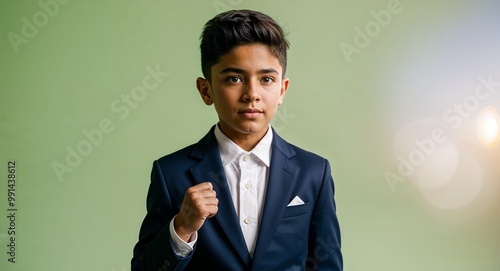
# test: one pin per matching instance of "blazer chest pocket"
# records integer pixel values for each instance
(297, 210)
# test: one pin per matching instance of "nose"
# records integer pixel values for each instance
(251, 92)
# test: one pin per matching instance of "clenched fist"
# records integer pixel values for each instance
(199, 203)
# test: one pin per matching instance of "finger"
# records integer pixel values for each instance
(202, 205)
(205, 205)
(211, 202)
(212, 211)
(204, 194)
(205, 186)
(199, 187)
(212, 214)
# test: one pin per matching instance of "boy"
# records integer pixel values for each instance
(241, 198)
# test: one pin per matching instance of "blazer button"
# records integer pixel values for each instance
(165, 266)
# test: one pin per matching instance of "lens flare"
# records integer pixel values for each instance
(488, 127)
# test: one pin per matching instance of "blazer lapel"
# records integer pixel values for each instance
(210, 169)
(282, 179)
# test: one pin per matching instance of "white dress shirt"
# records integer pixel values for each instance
(247, 174)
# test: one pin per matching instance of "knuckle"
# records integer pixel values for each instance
(198, 202)
(189, 191)
(193, 197)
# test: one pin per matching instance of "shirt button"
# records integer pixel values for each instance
(248, 185)
(246, 158)
(247, 220)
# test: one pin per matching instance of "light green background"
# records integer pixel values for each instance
(428, 57)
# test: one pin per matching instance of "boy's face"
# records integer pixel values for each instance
(247, 85)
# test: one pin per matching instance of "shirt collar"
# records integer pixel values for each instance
(229, 150)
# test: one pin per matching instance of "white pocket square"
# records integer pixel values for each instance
(295, 201)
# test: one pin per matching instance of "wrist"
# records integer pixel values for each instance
(181, 231)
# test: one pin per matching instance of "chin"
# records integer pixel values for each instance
(253, 129)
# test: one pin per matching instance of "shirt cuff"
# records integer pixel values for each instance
(181, 247)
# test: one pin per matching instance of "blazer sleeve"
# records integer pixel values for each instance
(154, 250)
(324, 237)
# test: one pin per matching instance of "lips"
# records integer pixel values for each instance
(250, 113)
(250, 110)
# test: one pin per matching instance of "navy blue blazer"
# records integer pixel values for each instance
(302, 237)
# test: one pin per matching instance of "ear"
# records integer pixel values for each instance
(284, 88)
(203, 87)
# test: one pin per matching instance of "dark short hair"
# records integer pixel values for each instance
(238, 27)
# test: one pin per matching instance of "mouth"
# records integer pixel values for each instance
(250, 113)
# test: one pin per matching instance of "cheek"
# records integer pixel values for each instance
(273, 99)
(272, 106)
(226, 103)
(229, 100)
(222, 97)
(280, 100)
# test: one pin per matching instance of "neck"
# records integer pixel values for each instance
(245, 141)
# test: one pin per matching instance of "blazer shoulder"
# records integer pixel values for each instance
(193, 152)
(307, 154)
(297, 153)
(177, 155)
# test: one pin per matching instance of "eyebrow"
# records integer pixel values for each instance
(242, 71)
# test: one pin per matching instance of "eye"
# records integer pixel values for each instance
(233, 79)
(268, 79)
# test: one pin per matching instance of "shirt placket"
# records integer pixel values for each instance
(248, 200)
